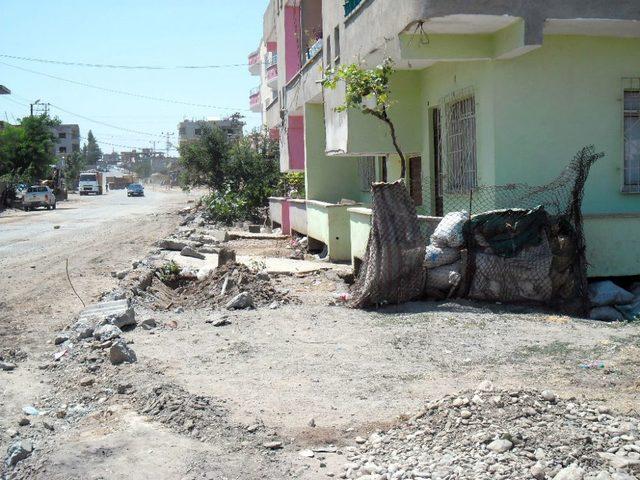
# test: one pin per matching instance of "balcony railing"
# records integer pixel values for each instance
(270, 60)
(350, 6)
(254, 91)
(254, 57)
(314, 49)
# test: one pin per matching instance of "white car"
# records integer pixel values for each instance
(39, 196)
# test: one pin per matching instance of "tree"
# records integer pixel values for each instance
(366, 84)
(73, 166)
(26, 150)
(91, 150)
(202, 160)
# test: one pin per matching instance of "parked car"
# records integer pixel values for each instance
(135, 190)
(39, 196)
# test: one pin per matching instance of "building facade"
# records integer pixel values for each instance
(67, 139)
(484, 93)
(190, 130)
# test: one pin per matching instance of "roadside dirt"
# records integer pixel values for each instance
(202, 401)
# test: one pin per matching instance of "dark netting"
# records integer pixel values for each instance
(509, 243)
(392, 266)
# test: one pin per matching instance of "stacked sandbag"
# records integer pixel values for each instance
(443, 256)
(611, 303)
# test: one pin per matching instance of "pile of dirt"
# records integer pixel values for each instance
(503, 435)
(195, 415)
(229, 280)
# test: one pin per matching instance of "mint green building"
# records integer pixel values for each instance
(486, 93)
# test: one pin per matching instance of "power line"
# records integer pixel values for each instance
(125, 67)
(110, 125)
(121, 92)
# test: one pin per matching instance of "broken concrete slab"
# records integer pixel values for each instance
(226, 255)
(177, 245)
(17, 452)
(118, 312)
(205, 239)
(107, 332)
(191, 252)
(241, 301)
(236, 235)
(219, 235)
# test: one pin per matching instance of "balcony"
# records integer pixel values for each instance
(350, 6)
(254, 63)
(314, 49)
(271, 70)
(255, 101)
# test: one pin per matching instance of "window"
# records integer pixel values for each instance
(62, 135)
(415, 180)
(328, 59)
(366, 172)
(632, 140)
(62, 150)
(460, 163)
(383, 169)
(198, 131)
(336, 43)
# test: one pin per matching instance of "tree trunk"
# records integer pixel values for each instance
(394, 139)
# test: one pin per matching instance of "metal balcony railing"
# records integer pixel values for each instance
(270, 60)
(314, 49)
(350, 6)
(254, 91)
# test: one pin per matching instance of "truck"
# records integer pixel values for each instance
(92, 182)
(39, 196)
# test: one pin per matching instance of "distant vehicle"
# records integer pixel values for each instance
(135, 190)
(92, 182)
(39, 196)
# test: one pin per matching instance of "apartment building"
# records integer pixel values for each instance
(189, 130)
(484, 93)
(67, 139)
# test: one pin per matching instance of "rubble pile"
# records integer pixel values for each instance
(234, 281)
(194, 415)
(502, 435)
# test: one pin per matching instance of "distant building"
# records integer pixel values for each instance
(190, 130)
(67, 139)
(111, 158)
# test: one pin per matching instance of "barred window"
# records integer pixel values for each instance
(632, 139)
(366, 172)
(460, 144)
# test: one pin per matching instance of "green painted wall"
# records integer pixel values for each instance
(330, 225)
(328, 179)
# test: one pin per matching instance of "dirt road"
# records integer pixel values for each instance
(202, 401)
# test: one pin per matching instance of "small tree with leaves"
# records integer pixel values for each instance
(91, 150)
(367, 84)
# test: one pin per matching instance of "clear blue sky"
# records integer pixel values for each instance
(130, 32)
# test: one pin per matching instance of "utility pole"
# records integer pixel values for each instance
(168, 144)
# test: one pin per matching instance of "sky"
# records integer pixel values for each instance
(129, 32)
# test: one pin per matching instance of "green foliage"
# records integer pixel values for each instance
(26, 150)
(169, 272)
(225, 207)
(91, 150)
(365, 85)
(241, 174)
(202, 160)
(73, 166)
(292, 184)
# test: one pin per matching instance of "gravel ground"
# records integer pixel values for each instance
(273, 393)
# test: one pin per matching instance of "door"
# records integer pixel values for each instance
(437, 162)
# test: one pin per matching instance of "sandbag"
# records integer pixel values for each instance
(437, 256)
(605, 314)
(604, 293)
(449, 232)
(444, 277)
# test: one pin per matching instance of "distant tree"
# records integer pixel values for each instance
(143, 168)
(202, 161)
(91, 150)
(73, 166)
(362, 85)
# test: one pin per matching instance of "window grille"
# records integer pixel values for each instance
(631, 135)
(459, 143)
